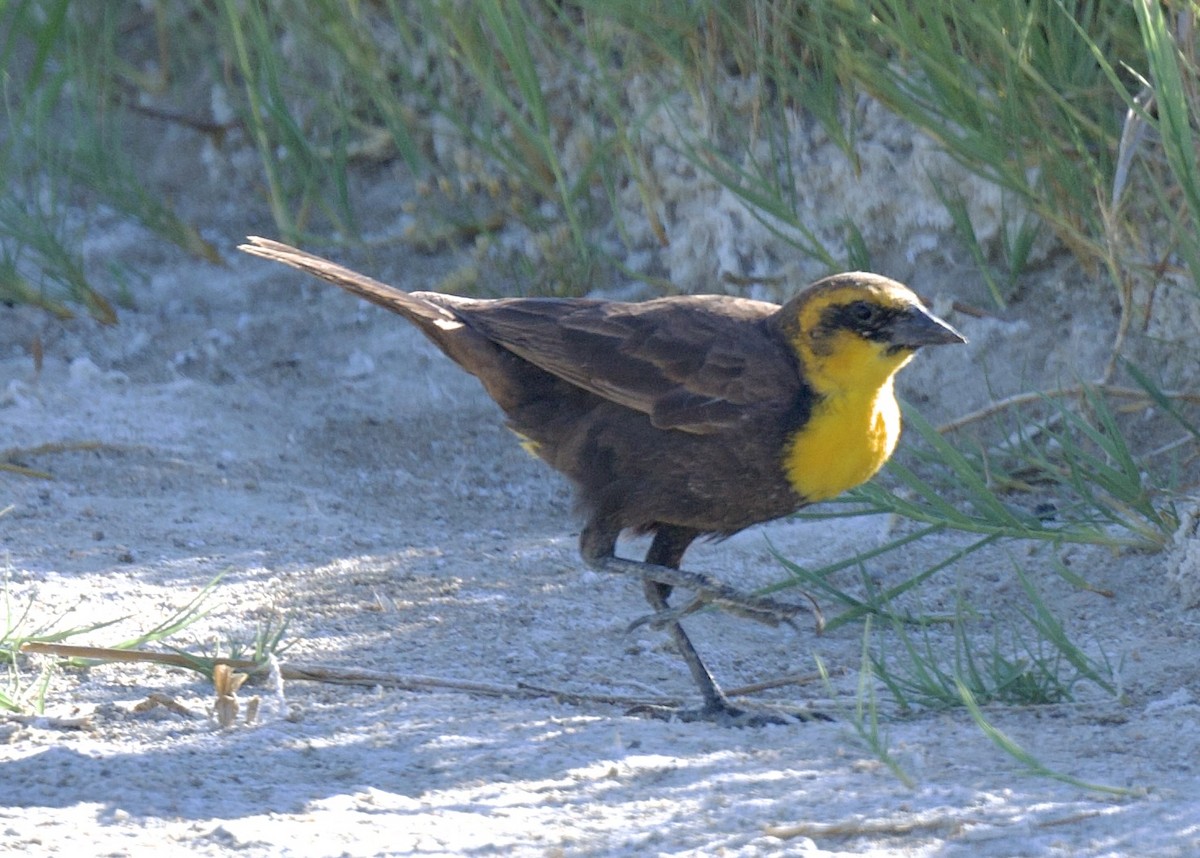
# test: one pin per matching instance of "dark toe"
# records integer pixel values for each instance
(725, 714)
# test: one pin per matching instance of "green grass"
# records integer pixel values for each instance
(865, 717)
(64, 150)
(1064, 475)
(1028, 96)
(19, 691)
(1030, 762)
(1028, 660)
(22, 690)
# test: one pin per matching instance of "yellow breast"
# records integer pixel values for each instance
(845, 442)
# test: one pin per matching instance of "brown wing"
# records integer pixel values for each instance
(700, 364)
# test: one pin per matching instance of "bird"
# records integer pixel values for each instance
(682, 417)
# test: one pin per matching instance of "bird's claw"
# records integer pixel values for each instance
(725, 714)
(708, 591)
(761, 609)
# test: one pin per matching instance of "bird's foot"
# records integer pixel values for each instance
(709, 591)
(724, 714)
(771, 612)
(762, 609)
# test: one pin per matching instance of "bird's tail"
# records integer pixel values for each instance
(503, 374)
(389, 297)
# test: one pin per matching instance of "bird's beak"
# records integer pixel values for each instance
(918, 328)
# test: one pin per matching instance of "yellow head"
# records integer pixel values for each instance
(852, 334)
(855, 331)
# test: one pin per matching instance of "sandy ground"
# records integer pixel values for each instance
(330, 466)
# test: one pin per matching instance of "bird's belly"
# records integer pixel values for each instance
(631, 473)
(843, 445)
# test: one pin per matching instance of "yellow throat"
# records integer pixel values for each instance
(855, 422)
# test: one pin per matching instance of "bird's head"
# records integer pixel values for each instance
(856, 330)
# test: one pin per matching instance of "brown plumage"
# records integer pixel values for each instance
(681, 416)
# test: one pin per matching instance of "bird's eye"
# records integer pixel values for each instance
(863, 311)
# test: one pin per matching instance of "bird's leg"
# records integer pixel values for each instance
(598, 547)
(667, 550)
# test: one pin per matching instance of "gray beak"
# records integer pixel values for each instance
(918, 327)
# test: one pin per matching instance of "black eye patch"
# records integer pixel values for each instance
(865, 318)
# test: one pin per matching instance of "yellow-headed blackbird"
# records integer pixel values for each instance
(684, 416)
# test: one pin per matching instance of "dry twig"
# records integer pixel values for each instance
(230, 667)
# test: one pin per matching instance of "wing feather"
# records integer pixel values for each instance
(699, 364)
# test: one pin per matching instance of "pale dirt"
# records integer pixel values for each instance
(330, 465)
